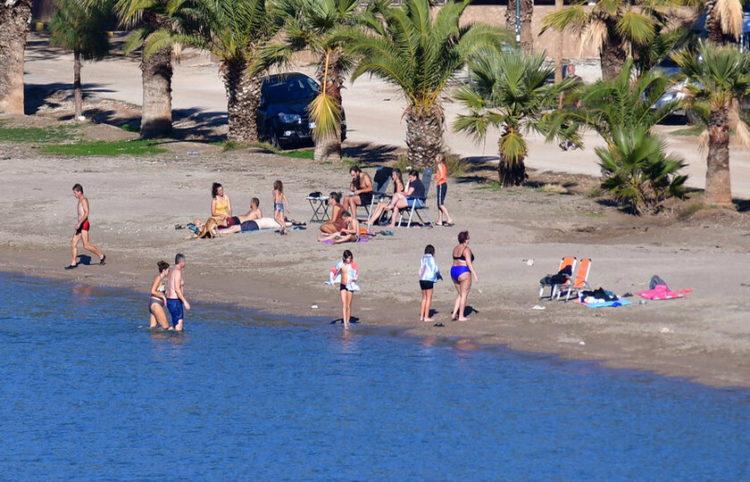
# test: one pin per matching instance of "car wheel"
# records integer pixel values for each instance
(275, 142)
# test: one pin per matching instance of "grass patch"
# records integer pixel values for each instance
(693, 131)
(492, 186)
(104, 148)
(299, 154)
(688, 211)
(130, 128)
(36, 134)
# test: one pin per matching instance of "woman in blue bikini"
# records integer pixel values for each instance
(461, 274)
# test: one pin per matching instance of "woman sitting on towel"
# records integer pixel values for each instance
(348, 234)
(335, 224)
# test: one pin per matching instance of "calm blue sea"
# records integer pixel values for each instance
(87, 392)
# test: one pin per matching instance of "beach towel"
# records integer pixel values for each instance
(334, 275)
(608, 304)
(662, 292)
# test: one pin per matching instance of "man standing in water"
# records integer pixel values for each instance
(175, 297)
(81, 231)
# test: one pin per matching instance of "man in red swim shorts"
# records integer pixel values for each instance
(81, 231)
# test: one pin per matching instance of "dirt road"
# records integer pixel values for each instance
(373, 109)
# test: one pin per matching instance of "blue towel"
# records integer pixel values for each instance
(605, 304)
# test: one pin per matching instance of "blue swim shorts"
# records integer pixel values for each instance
(175, 310)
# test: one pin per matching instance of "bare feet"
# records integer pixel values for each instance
(464, 319)
(454, 317)
(428, 320)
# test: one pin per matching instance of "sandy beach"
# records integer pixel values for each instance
(137, 201)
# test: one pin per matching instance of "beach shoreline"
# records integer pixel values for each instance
(136, 202)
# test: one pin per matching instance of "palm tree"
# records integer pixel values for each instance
(82, 30)
(637, 170)
(723, 20)
(718, 77)
(625, 102)
(613, 26)
(526, 42)
(14, 19)
(235, 31)
(508, 92)
(316, 25)
(419, 53)
(149, 16)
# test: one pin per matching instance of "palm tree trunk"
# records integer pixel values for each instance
(77, 94)
(510, 16)
(424, 135)
(511, 173)
(243, 99)
(14, 22)
(156, 113)
(559, 55)
(613, 54)
(718, 184)
(527, 37)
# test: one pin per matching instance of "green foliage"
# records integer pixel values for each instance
(508, 92)
(35, 134)
(106, 148)
(316, 25)
(402, 163)
(624, 102)
(407, 48)
(81, 29)
(717, 76)
(233, 30)
(456, 165)
(616, 22)
(637, 171)
(299, 154)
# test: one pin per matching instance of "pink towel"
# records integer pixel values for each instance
(662, 292)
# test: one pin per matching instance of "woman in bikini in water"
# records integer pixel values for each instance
(461, 273)
(158, 300)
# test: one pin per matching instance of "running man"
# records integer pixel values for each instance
(81, 231)
(175, 288)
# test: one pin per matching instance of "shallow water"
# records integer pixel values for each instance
(88, 392)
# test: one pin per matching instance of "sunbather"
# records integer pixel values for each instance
(415, 190)
(335, 224)
(398, 188)
(348, 234)
(254, 213)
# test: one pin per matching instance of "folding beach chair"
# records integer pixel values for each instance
(581, 280)
(379, 184)
(568, 261)
(417, 204)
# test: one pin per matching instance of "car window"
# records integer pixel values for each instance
(290, 90)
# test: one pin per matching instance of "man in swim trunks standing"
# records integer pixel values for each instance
(175, 297)
(81, 231)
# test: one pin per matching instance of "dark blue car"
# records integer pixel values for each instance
(282, 116)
